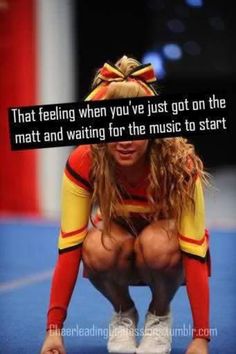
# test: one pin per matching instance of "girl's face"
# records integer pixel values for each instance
(128, 153)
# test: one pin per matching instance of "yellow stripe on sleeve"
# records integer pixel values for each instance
(75, 211)
(192, 225)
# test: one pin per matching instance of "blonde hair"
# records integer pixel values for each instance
(173, 165)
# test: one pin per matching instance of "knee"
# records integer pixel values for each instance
(157, 249)
(97, 257)
(103, 254)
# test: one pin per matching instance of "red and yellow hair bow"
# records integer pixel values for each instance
(143, 74)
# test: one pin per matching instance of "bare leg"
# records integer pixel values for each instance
(118, 295)
(111, 266)
(164, 286)
(159, 261)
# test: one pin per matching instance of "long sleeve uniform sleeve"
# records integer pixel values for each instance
(75, 211)
(193, 240)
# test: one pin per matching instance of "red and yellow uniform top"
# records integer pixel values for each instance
(76, 207)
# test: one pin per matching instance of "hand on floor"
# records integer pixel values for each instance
(53, 343)
(198, 346)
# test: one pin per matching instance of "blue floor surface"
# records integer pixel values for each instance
(28, 249)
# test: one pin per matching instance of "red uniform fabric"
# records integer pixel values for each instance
(64, 279)
(196, 277)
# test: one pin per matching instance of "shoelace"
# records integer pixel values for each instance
(120, 320)
(121, 326)
(158, 330)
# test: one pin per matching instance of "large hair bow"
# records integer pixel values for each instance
(143, 74)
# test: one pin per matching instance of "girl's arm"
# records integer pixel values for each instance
(193, 240)
(75, 211)
(63, 282)
(196, 277)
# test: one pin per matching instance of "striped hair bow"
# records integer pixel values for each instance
(143, 74)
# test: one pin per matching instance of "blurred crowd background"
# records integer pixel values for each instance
(50, 51)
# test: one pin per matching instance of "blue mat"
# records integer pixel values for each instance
(28, 251)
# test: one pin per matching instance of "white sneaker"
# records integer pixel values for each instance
(157, 335)
(122, 332)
